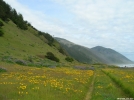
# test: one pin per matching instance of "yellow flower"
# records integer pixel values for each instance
(23, 87)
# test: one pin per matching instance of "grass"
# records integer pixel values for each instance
(32, 83)
(64, 83)
(123, 78)
(105, 88)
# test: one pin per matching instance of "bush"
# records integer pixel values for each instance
(21, 62)
(1, 33)
(69, 59)
(1, 24)
(7, 59)
(51, 56)
(61, 50)
(30, 59)
(3, 70)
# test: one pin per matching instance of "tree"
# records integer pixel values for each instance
(1, 24)
(48, 37)
(1, 33)
(21, 23)
(14, 16)
(69, 59)
(5, 11)
(2, 13)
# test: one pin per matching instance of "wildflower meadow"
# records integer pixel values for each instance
(31, 83)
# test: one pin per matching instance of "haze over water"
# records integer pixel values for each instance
(127, 65)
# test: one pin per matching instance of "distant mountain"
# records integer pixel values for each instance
(94, 55)
(110, 56)
(78, 52)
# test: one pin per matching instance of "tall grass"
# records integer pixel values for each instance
(123, 78)
(105, 89)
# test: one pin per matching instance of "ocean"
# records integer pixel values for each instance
(127, 65)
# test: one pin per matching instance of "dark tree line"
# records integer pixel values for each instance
(7, 12)
(47, 36)
(1, 32)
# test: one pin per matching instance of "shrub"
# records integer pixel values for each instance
(69, 59)
(7, 59)
(3, 70)
(1, 33)
(1, 24)
(30, 59)
(61, 50)
(21, 62)
(51, 56)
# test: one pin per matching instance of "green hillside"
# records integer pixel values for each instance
(94, 55)
(23, 44)
(26, 45)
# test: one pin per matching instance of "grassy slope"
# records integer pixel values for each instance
(22, 44)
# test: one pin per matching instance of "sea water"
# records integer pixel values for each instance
(126, 65)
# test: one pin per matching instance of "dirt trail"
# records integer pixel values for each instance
(89, 93)
(115, 87)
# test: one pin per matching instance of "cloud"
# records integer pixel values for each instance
(110, 20)
(101, 12)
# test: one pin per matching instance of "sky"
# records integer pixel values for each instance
(107, 23)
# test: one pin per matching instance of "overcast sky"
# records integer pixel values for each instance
(107, 23)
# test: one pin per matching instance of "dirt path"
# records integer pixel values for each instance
(110, 90)
(89, 93)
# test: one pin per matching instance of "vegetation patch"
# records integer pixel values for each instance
(2, 69)
(1, 33)
(69, 59)
(21, 62)
(51, 56)
(47, 36)
(30, 61)
(1, 24)
(61, 50)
